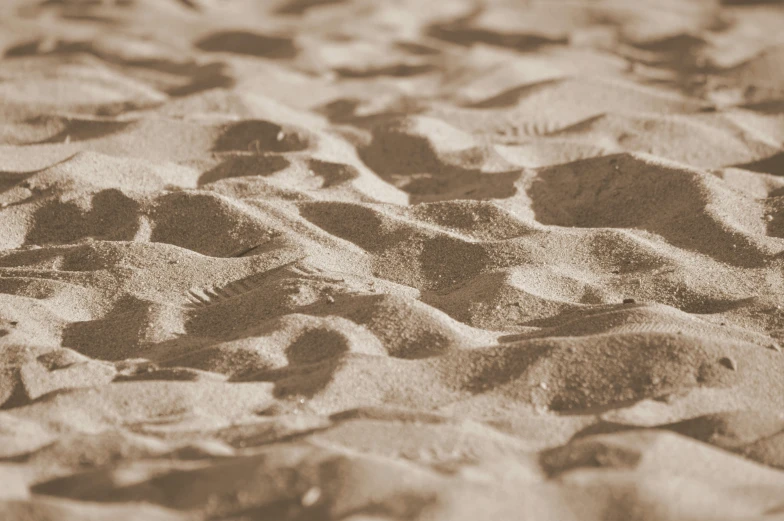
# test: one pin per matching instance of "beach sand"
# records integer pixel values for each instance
(364, 260)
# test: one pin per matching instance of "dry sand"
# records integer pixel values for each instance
(364, 260)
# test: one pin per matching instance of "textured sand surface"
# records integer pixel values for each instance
(365, 260)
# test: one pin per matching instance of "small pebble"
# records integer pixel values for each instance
(541, 409)
(330, 299)
(543, 385)
(768, 217)
(774, 346)
(311, 497)
(281, 136)
(729, 363)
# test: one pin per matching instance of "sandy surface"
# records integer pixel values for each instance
(369, 260)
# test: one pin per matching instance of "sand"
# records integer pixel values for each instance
(362, 260)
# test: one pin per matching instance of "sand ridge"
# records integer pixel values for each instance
(359, 260)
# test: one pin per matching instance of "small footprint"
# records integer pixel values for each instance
(201, 297)
(211, 295)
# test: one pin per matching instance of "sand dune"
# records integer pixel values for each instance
(317, 259)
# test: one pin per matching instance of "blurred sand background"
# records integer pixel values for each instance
(386, 260)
